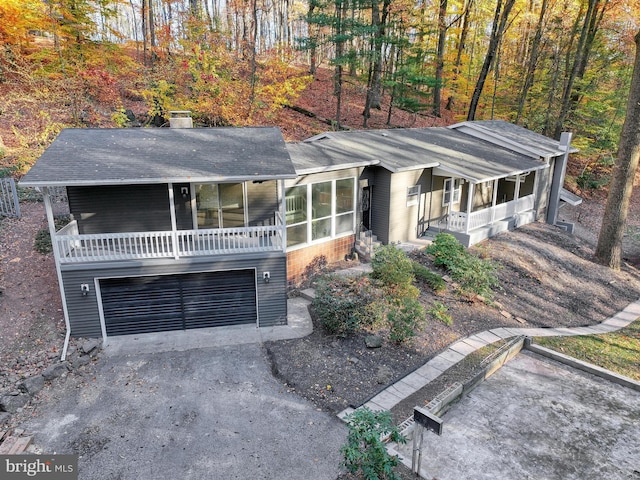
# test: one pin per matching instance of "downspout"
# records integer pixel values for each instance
(56, 256)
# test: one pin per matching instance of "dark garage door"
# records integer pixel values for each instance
(177, 302)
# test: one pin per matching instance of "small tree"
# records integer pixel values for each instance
(365, 451)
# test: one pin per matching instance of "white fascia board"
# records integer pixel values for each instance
(147, 181)
(408, 169)
(333, 168)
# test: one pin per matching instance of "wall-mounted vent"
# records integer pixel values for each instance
(180, 119)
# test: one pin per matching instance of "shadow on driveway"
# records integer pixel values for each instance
(195, 414)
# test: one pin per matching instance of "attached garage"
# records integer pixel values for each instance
(158, 303)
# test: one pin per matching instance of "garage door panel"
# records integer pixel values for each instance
(175, 302)
(219, 299)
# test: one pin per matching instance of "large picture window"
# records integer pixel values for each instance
(319, 211)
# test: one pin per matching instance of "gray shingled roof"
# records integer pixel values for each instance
(410, 149)
(161, 155)
(516, 135)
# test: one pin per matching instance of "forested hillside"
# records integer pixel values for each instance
(313, 65)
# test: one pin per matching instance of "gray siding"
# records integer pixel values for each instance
(542, 193)
(262, 202)
(120, 208)
(83, 311)
(380, 207)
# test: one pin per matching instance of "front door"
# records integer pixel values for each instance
(219, 205)
(366, 208)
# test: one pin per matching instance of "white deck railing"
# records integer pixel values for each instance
(103, 247)
(458, 220)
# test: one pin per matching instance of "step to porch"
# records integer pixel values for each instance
(366, 244)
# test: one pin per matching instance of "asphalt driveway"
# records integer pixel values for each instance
(195, 414)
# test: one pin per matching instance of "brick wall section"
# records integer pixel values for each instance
(305, 260)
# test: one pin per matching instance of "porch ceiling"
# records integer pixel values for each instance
(161, 155)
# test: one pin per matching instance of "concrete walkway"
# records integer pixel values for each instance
(431, 370)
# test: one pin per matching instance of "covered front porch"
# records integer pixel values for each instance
(475, 209)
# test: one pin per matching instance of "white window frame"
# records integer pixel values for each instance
(447, 194)
(413, 195)
(334, 215)
(194, 205)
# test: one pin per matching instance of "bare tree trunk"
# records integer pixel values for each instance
(499, 26)
(144, 32)
(341, 10)
(135, 30)
(152, 27)
(442, 35)
(464, 32)
(314, 39)
(573, 74)
(253, 53)
(533, 62)
(609, 248)
(374, 91)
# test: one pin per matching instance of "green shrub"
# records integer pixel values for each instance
(446, 250)
(42, 242)
(344, 305)
(365, 452)
(432, 279)
(405, 319)
(392, 267)
(438, 310)
(473, 274)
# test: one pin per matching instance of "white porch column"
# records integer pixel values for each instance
(494, 200)
(450, 204)
(174, 224)
(469, 206)
(516, 193)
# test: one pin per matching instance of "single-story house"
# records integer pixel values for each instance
(184, 228)
(473, 180)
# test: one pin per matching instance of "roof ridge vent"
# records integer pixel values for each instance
(180, 119)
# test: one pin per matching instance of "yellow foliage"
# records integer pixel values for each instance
(18, 17)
